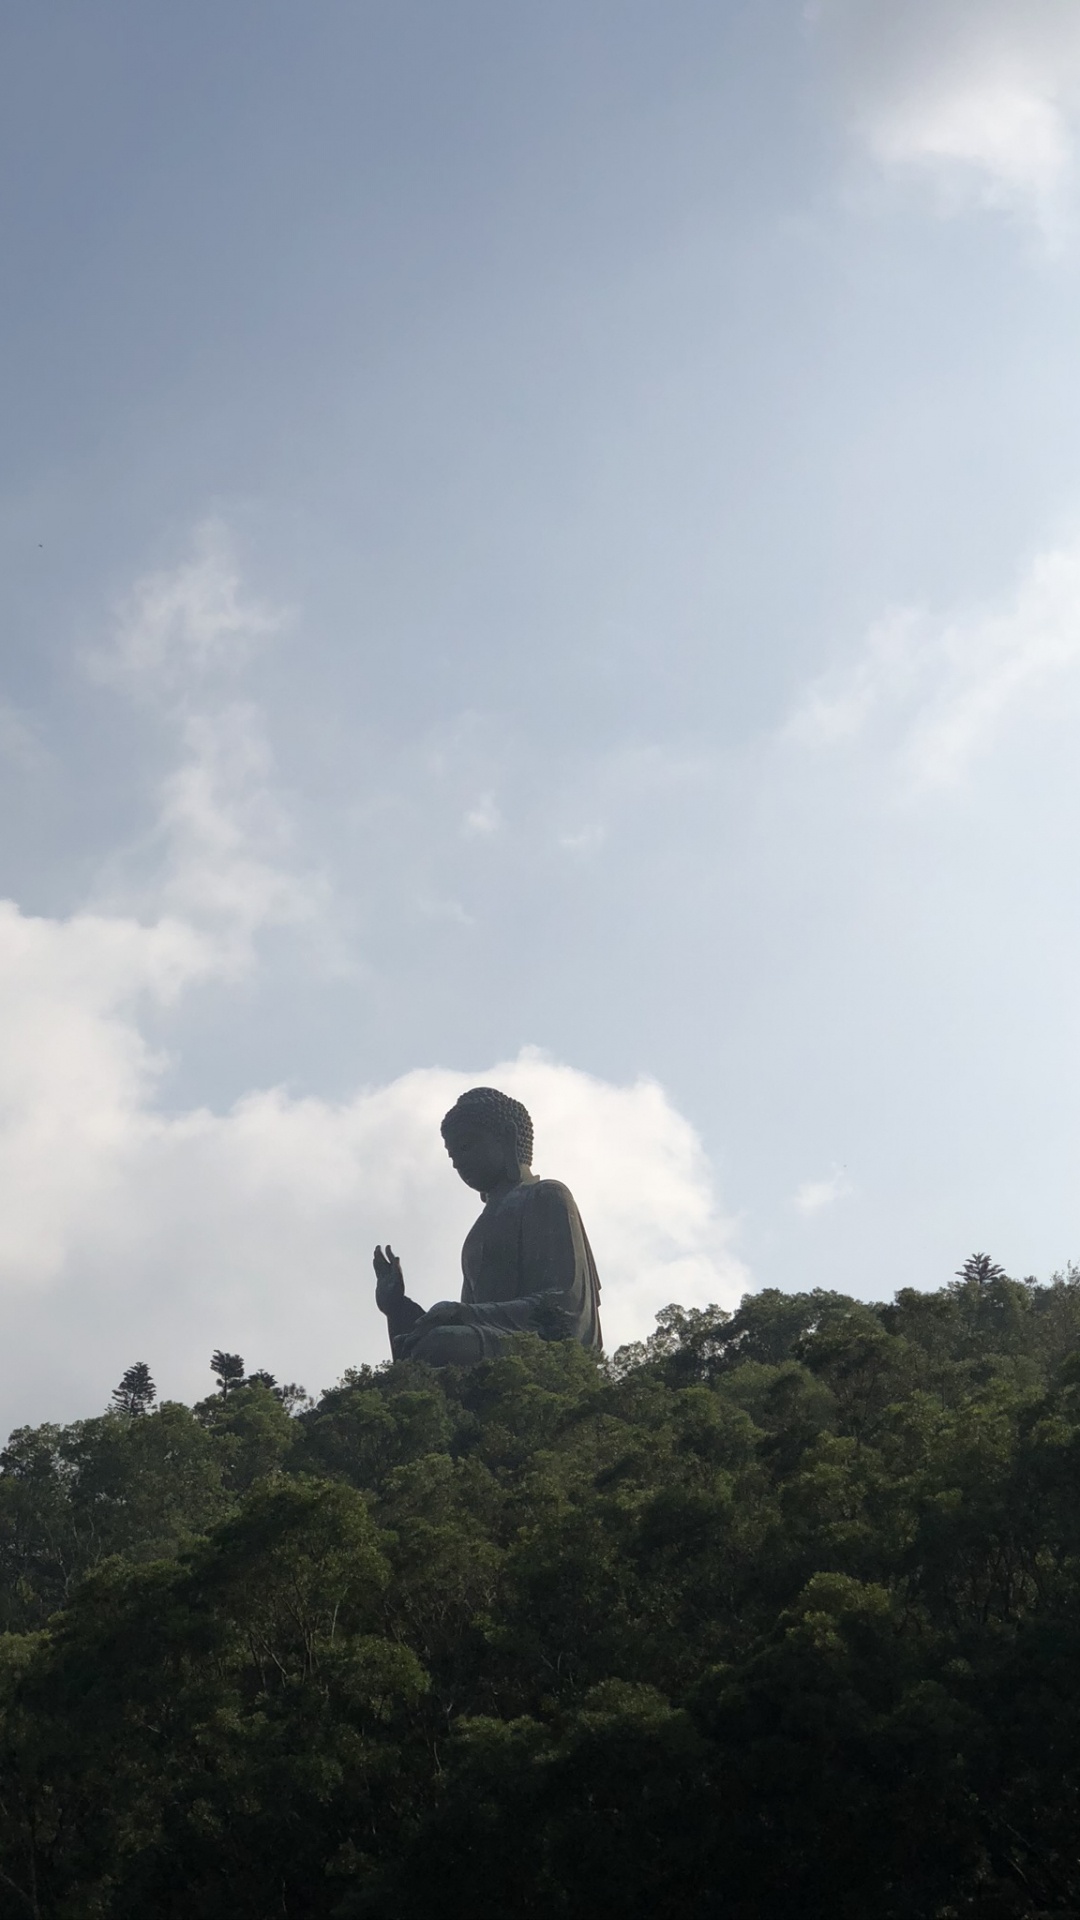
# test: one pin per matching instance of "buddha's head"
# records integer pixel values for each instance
(489, 1138)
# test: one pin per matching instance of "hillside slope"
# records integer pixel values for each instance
(776, 1615)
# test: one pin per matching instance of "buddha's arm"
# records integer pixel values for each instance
(400, 1322)
(392, 1300)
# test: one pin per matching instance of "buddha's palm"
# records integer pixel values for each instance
(389, 1280)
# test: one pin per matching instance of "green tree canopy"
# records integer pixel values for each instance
(776, 1613)
(136, 1392)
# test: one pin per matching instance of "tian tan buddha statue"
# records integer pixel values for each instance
(528, 1267)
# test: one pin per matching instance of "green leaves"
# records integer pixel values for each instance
(776, 1615)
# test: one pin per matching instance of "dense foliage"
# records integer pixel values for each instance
(777, 1615)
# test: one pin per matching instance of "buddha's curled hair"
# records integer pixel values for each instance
(487, 1107)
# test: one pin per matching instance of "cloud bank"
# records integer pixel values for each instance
(129, 1232)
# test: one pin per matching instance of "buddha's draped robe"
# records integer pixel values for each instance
(527, 1268)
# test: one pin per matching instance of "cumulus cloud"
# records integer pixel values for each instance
(980, 97)
(937, 695)
(131, 1232)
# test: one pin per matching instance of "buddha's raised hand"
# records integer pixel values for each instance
(389, 1280)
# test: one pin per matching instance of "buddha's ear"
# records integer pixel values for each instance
(511, 1161)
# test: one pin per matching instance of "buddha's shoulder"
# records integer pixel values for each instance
(548, 1193)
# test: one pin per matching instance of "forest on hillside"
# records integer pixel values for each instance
(775, 1616)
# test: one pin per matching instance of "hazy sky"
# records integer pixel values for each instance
(539, 543)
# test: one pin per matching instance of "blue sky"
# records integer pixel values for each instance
(549, 529)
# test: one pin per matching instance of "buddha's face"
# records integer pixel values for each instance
(481, 1158)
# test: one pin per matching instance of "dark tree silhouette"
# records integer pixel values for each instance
(229, 1369)
(291, 1395)
(136, 1392)
(979, 1267)
(260, 1378)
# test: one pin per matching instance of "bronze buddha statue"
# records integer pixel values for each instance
(527, 1265)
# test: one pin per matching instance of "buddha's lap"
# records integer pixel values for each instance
(449, 1347)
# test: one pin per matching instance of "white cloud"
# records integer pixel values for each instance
(937, 696)
(128, 1232)
(221, 850)
(978, 96)
(229, 840)
(841, 705)
(814, 1196)
(75, 1068)
(187, 624)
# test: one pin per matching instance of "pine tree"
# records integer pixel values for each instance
(229, 1368)
(136, 1392)
(978, 1269)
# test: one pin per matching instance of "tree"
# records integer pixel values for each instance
(228, 1368)
(978, 1270)
(136, 1392)
(291, 1395)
